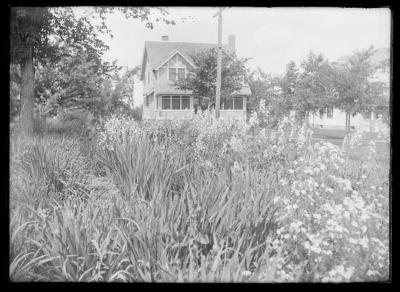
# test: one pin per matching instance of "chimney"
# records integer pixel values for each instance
(231, 43)
(164, 38)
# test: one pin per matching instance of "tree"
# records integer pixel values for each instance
(124, 89)
(73, 81)
(313, 91)
(265, 87)
(289, 80)
(33, 31)
(201, 78)
(357, 92)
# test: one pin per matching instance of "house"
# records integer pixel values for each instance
(164, 63)
(334, 118)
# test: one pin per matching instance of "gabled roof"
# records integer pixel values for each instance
(171, 55)
(158, 52)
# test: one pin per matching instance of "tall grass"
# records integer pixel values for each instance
(46, 167)
(147, 209)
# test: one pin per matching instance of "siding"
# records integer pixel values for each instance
(338, 121)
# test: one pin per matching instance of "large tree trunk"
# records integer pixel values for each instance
(27, 86)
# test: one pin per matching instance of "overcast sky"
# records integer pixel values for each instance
(270, 36)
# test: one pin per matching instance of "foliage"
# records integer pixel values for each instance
(46, 168)
(267, 90)
(137, 113)
(319, 84)
(124, 89)
(75, 81)
(314, 90)
(202, 77)
(341, 231)
(356, 91)
(203, 201)
(38, 33)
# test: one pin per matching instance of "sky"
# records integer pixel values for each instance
(271, 37)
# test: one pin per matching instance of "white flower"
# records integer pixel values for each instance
(347, 184)
(363, 242)
(246, 273)
(317, 216)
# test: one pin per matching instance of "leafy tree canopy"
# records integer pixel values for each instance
(58, 37)
(357, 91)
(201, 78)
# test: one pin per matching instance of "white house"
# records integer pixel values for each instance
(164, 63)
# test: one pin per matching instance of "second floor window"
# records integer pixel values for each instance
(176, 74)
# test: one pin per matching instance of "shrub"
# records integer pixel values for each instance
(137, 113)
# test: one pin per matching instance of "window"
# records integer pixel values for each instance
(329, 112)
(228, 104)
(235, 103)
(176, 74)
(185, 102)
(175, 102)
(166, 102)
(172, 74)
(238, 103)
(148, 100)
(181, 73)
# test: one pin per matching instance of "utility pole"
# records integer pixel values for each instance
(218, 91)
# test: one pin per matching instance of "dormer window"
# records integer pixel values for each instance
(176, 74)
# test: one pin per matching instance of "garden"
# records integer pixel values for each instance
(203, 200)
(96, 194)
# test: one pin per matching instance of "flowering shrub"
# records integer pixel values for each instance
(332, 221)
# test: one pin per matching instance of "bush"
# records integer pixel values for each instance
(137, 113)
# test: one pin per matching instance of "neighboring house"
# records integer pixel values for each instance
(336, 119)
(166, 62)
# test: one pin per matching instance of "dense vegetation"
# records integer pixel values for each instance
(202, 200)
(96, 194)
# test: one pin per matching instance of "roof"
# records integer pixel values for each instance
(158, 52)
(167, 89)
(245, 90)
